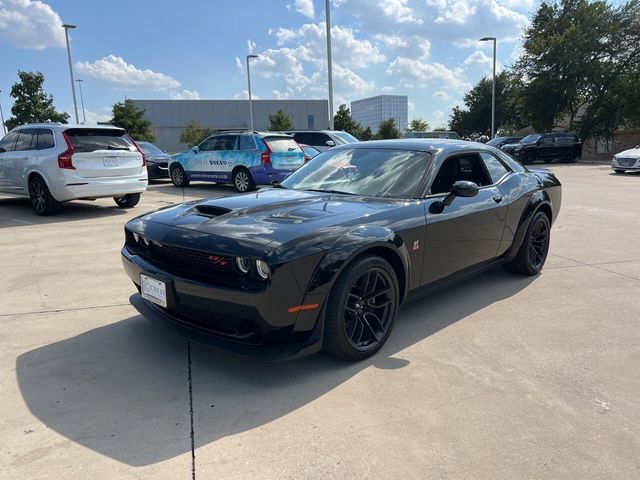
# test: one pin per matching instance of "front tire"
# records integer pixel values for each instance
(127, 201)
(42, 201)
(242, 180)
(178, 176)
(361, 309)
(533, 252)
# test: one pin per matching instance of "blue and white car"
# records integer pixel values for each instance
(243, 159)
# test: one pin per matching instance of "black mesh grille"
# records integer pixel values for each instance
(215, 322)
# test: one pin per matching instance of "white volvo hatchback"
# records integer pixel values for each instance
(53, 163)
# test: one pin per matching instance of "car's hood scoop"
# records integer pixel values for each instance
(211, 210)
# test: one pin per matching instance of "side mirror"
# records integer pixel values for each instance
(194, 149)
(462, 188)
(330, 143)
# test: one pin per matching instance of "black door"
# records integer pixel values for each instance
(467, 232)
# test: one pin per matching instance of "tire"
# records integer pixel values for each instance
(361, 309)
(42, 201)
(242, 180)
(533, 252)
(568, 157)
(178, 176)
(619, 171)
(547, 160)
(127, 201)
(528, 158)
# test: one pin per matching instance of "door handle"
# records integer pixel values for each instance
(497, 198)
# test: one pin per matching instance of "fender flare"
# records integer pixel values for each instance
(539, 200)
(380, 240)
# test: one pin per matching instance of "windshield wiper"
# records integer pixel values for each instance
(328, 191)
(110, 147)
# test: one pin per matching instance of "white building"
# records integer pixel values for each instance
(370, 112)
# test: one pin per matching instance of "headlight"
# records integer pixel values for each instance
(242, 264)
(263, 269)
(136, 237)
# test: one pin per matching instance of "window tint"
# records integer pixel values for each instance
(45, 139)
(282, 144)
(25, 139)
(464, 167)
(247, 142)
(548, 140)
(225, 142)
(494, 166)
(208, 144)
(320, 139)
(303, 137)
(8, 143)
(92, 139)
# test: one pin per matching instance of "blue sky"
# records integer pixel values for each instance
(426, 49)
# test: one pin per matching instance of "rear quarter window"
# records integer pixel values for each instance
(92, 139)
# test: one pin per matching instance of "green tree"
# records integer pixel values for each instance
(31, 103)
(366, 135)
(343, 120)
(279, 122)
(581, 61)
(126, 115)
(387, 129)
(193, 133)
(418, 125)
(474, 120)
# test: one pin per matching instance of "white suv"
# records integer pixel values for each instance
(53, 163)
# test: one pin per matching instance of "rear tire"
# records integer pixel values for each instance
(178, 176)
(242, 180)
(533, 252)
(361, 309)
(619, 171)
(42, 201)
(127, 201)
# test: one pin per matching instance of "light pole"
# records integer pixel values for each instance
(327, 9)
(249, 57)
(493, 93)
(68, 27)
(84, 117)
(4, 129)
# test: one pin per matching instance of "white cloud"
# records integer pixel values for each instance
(388, 12)
(103, 114)
(277, 94)
(412, 46)
(304, 7)
(30, 24)
(185, 95)
(114, 71)
(387, 89)
(412, 72)
(440, 95)
(244, 95)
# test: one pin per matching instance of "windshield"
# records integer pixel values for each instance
(149, 148)
(495, 141)
(346, 137)
(534, 137)
(363, 171)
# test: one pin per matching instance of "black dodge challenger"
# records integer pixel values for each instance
(326, 258)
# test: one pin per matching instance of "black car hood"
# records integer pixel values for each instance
(275, 216)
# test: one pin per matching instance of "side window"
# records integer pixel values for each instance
(494, 166)
(321, 139)
(25, 140)
(208, 145)
(547, 140)
(246, 142)
(462, 167)
(8, 143)
(226, 142)
(45, 139)
(303, 137)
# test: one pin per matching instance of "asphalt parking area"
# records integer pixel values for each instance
(498, 377)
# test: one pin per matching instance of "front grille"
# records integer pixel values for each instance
(626, 162)
(169, 254)
(215, 322)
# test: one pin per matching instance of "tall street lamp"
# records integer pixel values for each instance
(249, 57)
(327, 9)
(4, 129)
(84, 117)
(68, 27)
(493, 93)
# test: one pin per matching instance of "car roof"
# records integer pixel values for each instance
(65, 126)
(444, 145)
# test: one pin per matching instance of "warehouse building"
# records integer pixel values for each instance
(169, 117)
(371, 112)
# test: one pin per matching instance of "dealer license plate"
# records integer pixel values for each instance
(111, 161)
(153, 290)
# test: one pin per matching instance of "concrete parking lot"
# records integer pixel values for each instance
(499, 377)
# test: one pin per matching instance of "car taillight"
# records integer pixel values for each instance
(144, 158)
(266, 156)
(64, 159)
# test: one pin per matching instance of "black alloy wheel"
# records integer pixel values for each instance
(42, 201)
(178, 176)
(534, 249)
(361, 309)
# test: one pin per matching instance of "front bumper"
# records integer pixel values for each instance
(253, 324)
(157, 170)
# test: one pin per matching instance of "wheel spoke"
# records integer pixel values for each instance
(372, 322)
